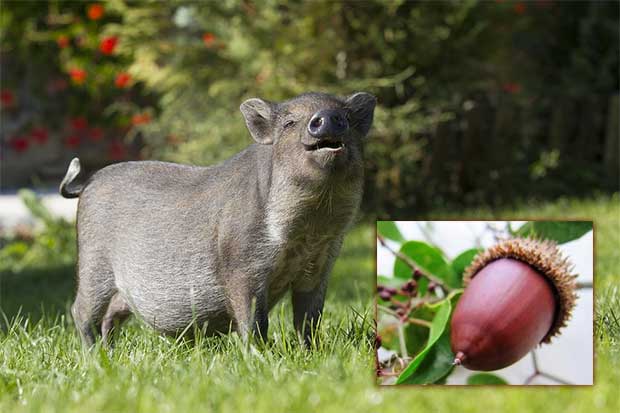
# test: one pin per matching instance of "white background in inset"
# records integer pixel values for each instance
(569, 356)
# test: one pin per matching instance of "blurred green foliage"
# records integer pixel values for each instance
(479, 102)
(49, 244)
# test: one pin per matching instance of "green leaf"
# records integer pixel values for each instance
(389, 230)
(438, 325)
(35, 206)
(416, 336)
(560, 232)
(485, 378)
(389, 281)
(429, 259)
(437, 364)
(462, 261)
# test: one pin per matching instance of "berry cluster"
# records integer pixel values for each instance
(408, 289)
(400, 298)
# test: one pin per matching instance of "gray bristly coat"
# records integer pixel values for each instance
(217, 247)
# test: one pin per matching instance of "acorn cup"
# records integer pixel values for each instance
(519, 293)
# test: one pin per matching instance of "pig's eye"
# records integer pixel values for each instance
(289, 124)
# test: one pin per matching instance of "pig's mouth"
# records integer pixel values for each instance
(325, 145)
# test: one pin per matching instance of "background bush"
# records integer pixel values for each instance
(479, 102)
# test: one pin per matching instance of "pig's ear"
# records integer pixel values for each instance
(258, 116)
(361, 106)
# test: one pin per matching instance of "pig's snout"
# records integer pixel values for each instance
(328, 122)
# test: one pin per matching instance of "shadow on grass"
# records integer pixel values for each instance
(35, 293)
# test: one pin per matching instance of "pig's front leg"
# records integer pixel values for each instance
(307, 308)
(250, 308)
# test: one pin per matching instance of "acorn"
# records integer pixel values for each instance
(519, 293)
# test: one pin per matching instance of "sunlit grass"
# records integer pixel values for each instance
(43, 367)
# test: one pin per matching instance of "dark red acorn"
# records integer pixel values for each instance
(519, 294)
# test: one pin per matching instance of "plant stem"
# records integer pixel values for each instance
(412, 320)
(411, 264)
(387, 310)
(419, 322)
(401, 339)
(537, 372)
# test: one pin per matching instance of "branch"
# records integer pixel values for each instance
(401, 340)
(420, 322)
(411, 264)
(537, 372)
(387, 310)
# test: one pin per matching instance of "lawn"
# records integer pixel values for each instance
(43, 368)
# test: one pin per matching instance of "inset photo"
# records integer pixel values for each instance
(485, 303)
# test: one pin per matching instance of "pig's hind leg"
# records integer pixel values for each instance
(95, 291)
(118, 311)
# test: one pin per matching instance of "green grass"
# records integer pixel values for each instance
(43, 368)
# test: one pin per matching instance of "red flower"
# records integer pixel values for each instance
(78, 76)
(520, 7)
(122, 80)
(79, 123)
(95, 11)
(19, 144)
(511, 87)
(208, 39)
(140, 118)
(108, 44)
(116, 151)
(7, 98)
(39, 135)
(62, 41)
(95, 134)
(72, 141)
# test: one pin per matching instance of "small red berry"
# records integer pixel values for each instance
(417, 274)
(391, 290)
(409, 287)
(385, 295)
